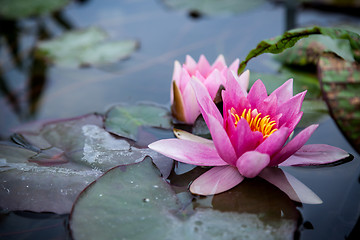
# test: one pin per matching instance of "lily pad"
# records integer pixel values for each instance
(124, 120)
(340, 81)
(214, 7)
(57, 160)
(14, 9)
(136, 203)
(85, 47)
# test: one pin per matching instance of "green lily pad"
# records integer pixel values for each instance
(125, 120)
(214, 7)
(54, 161)
(14, 9)
(85, 47)
(136, 203)
(340, 81)
(288, 39)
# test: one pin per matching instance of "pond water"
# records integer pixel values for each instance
(164, 35)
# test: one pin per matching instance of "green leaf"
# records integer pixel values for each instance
(214, 7)
(84, 47)
(340, 81)
(56, 160)
(136, 203)
(289, 38)
(14, 9)
(308, 51)
(125, 120)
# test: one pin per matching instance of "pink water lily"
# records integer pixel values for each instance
(248, 139)
(183, 101)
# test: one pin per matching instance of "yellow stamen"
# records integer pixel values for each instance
(256, 123)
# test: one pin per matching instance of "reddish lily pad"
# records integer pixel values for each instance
(57, 160)
(136, 203)
(125, 121)
(340, 81)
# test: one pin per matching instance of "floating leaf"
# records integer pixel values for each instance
(125, 120)
(85, 47)
(214, 7)
(289, 38)
(57, 160)
(340, 82)
(14, 9)
(136, 203)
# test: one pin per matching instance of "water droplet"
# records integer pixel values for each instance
(131, 181)
(146, 200)
(156, 186)
(100, 195)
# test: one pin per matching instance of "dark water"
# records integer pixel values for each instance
(165, 35)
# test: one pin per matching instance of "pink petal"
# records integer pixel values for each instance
(244, 79)
(184, 80)
(191, 107)
(268, 106)
(221, 141)
(177, 71)
(274, 142)
(233, 96)
(219, 63)
(180, 134)
(315, 154)
(243, 139)
(190, 65)
(188, 152)
(250, 164)
(207, 106)
(287, 183)
(291, 108)
(213, 82)
(204, 66)
(257, 94)
(284, 92)
(216, 180)
(235, 65)
(293, 121)
(293, 146)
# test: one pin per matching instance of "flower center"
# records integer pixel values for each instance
(256, 123)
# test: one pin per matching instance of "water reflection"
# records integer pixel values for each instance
(21, 58)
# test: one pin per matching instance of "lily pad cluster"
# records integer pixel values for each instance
(50, 163)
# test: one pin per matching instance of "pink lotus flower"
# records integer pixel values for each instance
(183, 102)
(249, 140)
